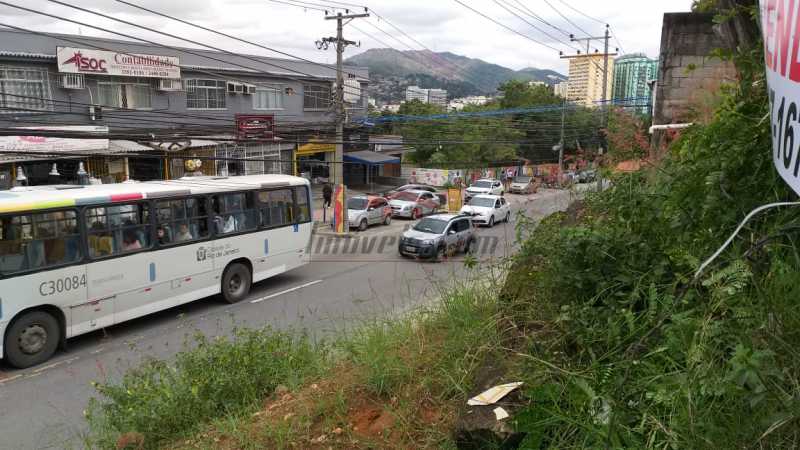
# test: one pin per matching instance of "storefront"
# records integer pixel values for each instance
(314, 160)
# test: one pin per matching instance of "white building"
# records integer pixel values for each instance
(458, 104)
(437, 97)
(561, 89)
(416, 93)
(432, 96)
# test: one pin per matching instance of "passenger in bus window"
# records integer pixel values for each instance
(184, 234)
(162, 235)
(130, 241)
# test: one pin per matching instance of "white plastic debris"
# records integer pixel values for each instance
(500, 413)
(492, 395)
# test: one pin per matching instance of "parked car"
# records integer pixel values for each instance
(485, 186)
(409, 187)
(414, 204)
(363, 211)
(587, 176)
(487, 210)
(437, 236)
(523, 184)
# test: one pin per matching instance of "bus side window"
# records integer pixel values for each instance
(277, 207)
(34, 241)
(181, 220)
(303, 210)
(235, 213)
(117, 229)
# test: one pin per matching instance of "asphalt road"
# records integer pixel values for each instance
(42, 407)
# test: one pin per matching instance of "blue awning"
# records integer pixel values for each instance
(370, 158)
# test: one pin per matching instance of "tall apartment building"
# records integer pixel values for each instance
(586, 80)
(631, 75)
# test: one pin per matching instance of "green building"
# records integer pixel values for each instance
(631, 75)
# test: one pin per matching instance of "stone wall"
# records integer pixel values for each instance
(688, 76)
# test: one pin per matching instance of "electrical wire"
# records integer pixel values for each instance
(502, 5)
(735, 233)
(505, 26)
(567, 19)
(173, 36)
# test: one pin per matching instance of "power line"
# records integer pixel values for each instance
(249, 68)
(505, 26)
(582, 13)
(567, 19)
(528, 22)
(532, 14)
(186, 22)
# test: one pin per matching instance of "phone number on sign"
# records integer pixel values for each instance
(785, 114)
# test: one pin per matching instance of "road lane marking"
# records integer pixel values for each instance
(296, 288)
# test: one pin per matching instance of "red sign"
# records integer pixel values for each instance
(255, 127)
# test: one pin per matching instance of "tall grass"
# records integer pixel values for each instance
(161, 401)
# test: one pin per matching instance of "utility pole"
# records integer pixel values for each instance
(341, 43)
(604, 101)
(561, 144)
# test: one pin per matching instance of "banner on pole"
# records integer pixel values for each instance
(455, 200)
(340, 224)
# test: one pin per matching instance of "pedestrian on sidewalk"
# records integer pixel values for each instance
(327, 193)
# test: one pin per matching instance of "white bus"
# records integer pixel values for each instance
(74, 259)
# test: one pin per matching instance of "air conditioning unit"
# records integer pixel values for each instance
(72, 81)
(235, 88)
(249, 89)
(168, 84)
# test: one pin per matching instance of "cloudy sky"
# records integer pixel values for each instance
(440, 25)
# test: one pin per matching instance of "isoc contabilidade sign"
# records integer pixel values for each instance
(781, 31)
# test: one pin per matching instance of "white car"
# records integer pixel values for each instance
(487, 210)
(414, 204)
(485, 186)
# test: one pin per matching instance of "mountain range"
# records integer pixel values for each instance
(391, 71)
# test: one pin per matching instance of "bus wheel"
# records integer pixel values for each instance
(32, 339)
(236, 282)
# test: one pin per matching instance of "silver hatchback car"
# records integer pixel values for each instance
(439, 235)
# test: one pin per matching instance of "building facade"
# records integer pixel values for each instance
(632, 75)
(432, 96)
(586, 80)
(127, 88)
(561, 89)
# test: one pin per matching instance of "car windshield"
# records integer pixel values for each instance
(523, 180)
(482, 184)
(357, 203)
(482, 201)
(431, 225)
(405, 196)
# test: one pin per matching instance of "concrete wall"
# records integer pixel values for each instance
(688, 74)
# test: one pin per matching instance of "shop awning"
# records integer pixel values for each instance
(117, 146)
(313, 148)
(370, 158)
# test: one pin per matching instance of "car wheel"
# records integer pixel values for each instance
(387, 220)
(236, 282)
(362, 226)
(32, 339)
(468, 249)
(440, 254)
(491, 221)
